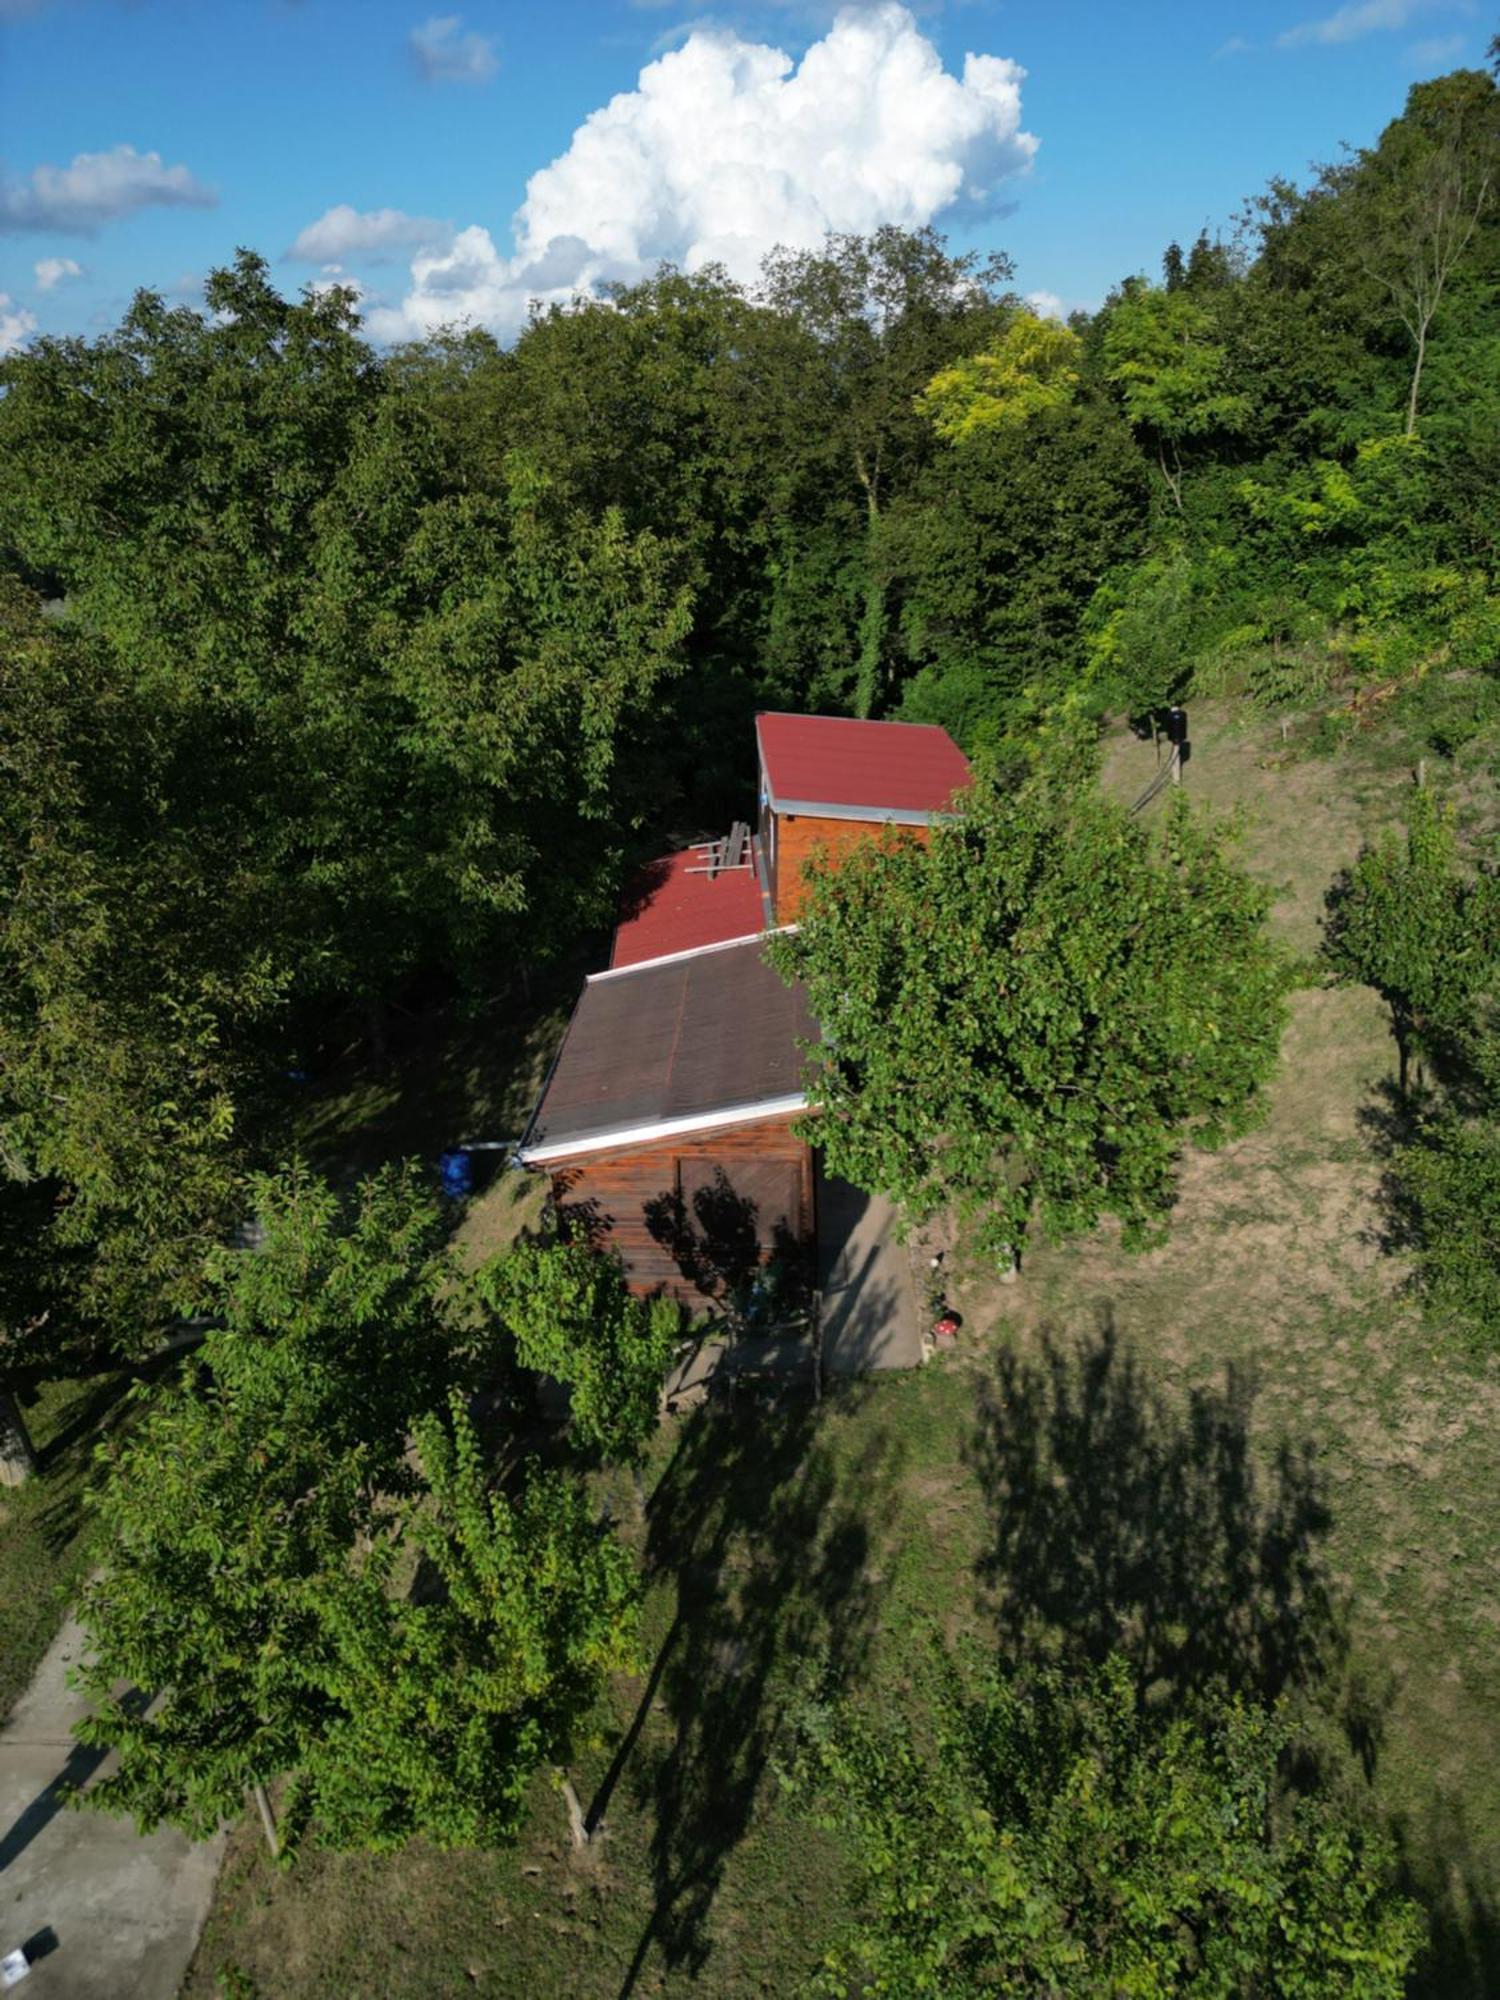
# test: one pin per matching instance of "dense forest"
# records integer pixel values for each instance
(337, 683)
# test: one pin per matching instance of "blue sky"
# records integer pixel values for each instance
(403, 132)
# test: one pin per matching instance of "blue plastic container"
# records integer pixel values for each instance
(456, 1168)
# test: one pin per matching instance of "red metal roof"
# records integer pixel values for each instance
(868, 767)
(670, 910)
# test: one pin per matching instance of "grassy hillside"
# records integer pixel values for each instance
(1249, 1438)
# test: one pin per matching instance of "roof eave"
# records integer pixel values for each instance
(643, 1133)
(688, 951)
(874, 815)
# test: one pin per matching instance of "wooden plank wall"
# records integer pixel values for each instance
(612, 1192)
(798, 836)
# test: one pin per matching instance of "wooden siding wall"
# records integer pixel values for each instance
(612, 1192)
(799, 836)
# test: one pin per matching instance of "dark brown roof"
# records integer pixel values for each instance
(716, 1031)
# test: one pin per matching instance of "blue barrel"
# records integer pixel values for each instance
(456, 1168)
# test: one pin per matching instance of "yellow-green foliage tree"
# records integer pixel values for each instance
(1054, 1837)
(1035, 367)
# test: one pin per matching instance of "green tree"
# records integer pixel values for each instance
(884, 313)
(994, 557)
(1409, 921)
(1035, 1014)
(573, 1318)
(446, 1699)
(264, 1524)
(1053, 1837)
(129, 1020)
(1162, 352)
(386, 699)
(1418, 199)
(1447, 1195)
(1034, 367)
(666, 401)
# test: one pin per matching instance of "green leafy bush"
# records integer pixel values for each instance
(1447, 1188)
(573, 1318)
(1057, 1838)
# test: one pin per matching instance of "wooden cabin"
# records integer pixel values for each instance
(666, 1123)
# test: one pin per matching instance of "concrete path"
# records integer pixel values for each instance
(104, 1914)
(870, 1315)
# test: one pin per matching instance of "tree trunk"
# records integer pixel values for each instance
(871, 646)
(578, 1826)
(267, 1819)
(872, 618)
(17, 1458)
(817, 1345)
(1416, 379)
(1174, 480)
(375, 1034)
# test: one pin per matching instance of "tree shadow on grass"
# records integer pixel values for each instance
(1439, 1867)
(770, 1543)
(1119, 1523)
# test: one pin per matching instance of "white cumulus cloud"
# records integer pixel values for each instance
(99, 187)
(15, 324)
(727, 148)
(51, 271)
(1046, 305)
(444, 55)
(1351, 22)
(373, 234)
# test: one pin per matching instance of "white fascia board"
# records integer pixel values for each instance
(693, 951)
(665, 1128)
(874, 815)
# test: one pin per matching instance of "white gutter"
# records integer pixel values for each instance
(692, 951)
(664, 1128)
(867, 815)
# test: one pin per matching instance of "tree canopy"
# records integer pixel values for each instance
(1409, 921)
(389, 1636)
(1034, 1014)
(1056, 1838)
(572, 1318)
